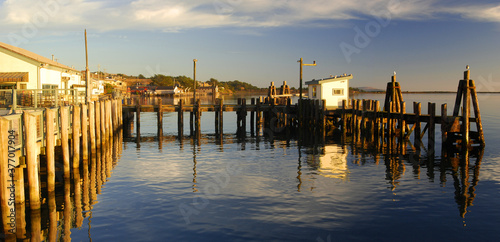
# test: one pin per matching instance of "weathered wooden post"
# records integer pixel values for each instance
(104, 137)
(252, 118)
(76, 136)
(49, 148)
(221, 116)
(376, 130)
(91, 114)
(477, 113)
(138, 124)
(417, 109)
(444, 126)
(198, 117)
(180, 120)
(344, 117)
(402, 121)
(432, 129)
(98, 123)
(6, 180)
(243, 116)
(323, 119)
(191, 122)
(85, 139)
(466, 111)
(216, 116)
(159, 115)
(32, 162)
(64, 139)
(258, 118)
(390, 121)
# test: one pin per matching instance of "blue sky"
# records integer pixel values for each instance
(427, 42)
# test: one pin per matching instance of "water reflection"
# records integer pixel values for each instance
(68, 206)
(330, 161)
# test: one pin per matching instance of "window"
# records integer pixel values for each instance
(337, 91)
(314, 91)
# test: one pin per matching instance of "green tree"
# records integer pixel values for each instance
(108, 88)
(141, 76)
(162, 80)
(213, 82)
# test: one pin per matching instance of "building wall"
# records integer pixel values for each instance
(335, 100)
(11, 62)
(50, 76)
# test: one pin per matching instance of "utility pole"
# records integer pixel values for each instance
(194, 77)
(302, 64)
(88, 89)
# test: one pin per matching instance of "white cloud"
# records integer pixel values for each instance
(174, 16)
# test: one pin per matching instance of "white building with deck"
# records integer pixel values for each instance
(22, 69)
(333, 89)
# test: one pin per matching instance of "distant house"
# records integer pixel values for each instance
(208, 89)
(333, 89)
(22, 69)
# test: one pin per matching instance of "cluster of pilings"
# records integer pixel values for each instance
(33, 142)
(363, 119)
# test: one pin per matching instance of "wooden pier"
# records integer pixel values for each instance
(365, 119)
(33, 142)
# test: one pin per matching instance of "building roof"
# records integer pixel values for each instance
(34, 56)
(14, 76)
(330, 79)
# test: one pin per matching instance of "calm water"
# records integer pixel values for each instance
(276, 190)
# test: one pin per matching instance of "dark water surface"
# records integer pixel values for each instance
(275, 190)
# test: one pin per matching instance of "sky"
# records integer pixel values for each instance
(428, 43)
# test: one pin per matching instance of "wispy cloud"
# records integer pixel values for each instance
(174, 16)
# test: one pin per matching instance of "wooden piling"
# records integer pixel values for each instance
(466, 112)
(5, 178)
(258, 117)
(98, 123)
(444, 124)
(432, 129)
(477, 113)
(252, 117)
(344, 117)
(191, 122)
(138, 124)
(417, 109)
(85, 139)
(91, 114)
(243, 116)
(76, 136)
(32, 160)
(64, 112)
(221, 116)
(180, 120)
(216, 116)
(50, 149)
(402, 121)
(104, 137)
(197, 119)
(160, 119)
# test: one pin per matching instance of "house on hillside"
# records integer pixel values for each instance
(333, 89)
(22, 69)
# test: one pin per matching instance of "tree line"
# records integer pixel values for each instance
(184, 81)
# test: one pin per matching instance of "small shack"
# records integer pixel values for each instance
(333, 89)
